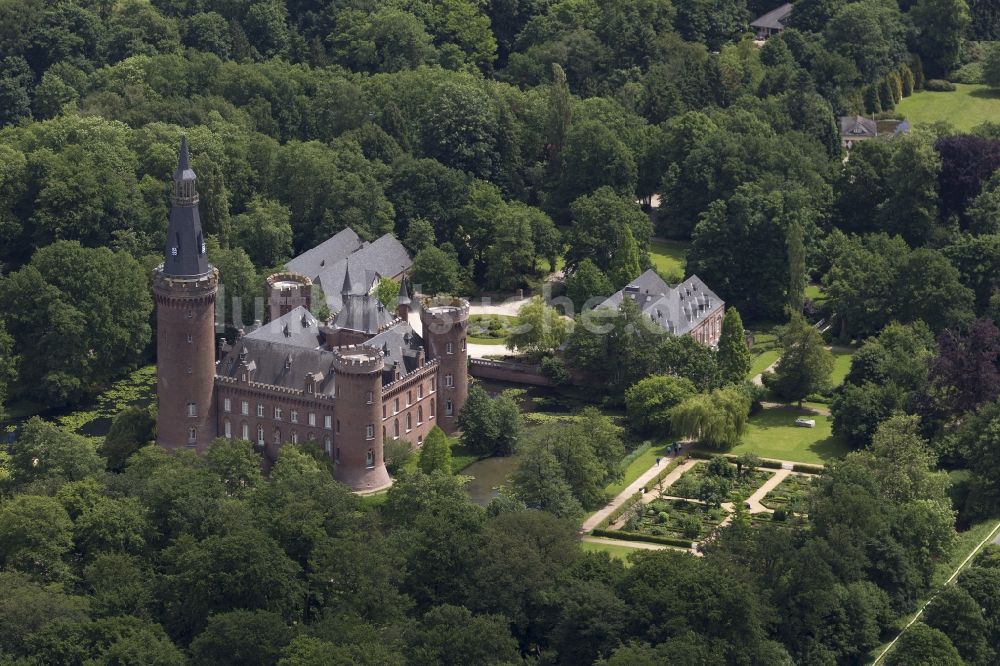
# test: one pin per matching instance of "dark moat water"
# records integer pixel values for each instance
(488, 475)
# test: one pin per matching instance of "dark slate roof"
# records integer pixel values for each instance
(384, 257)
(297, 328)
(677, 309)
(363, 312)
(334, 249)
(774, 19)
(184, 253)
(857, 127)
(280, 364)
(404, 293)
(400, 344)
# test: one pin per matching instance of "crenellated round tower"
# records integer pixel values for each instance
(287, 291)
(184, 288)
(357, 440)
(445, 322)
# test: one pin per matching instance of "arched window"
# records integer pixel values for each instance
(245, 431)
(409, 422)
(228, 429)
(433, 413)
(192, 436)
(277, 436)
(448, 408)
(295, 437)
(260, 435)
(327, 443)
(370, 458)
(395, 429)
(420, 414)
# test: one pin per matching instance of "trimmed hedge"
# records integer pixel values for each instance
(939, 85)
(807, 469)
(635, 536)
(703, 455)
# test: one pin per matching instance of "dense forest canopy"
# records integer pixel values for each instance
(499, 140)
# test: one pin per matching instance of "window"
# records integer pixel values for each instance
(260, 410)
(420, 414)
(260, 435)
(409, 398)
(311, 437)
(449, 380)
(244, 377)
(448, 349)
(277, 413)
(192, 409)
(295, 437)
(432, 407)
(369, 397)
(245, 408)
(293, 416)
(370, 431)
(190, 338)
(395, 428)
(192, 436)
(245, 431)
(312, 419)
(227, 405)
(370, 458)
(327, 444)
(409, 422)
(434, 384)
(228, 429)
(463, 344)
(395, 406)
(190, 370)
(336, 458)
(383, 411)
(277, 437)
(190, 314)
(338, 427)
(420, 391)
(327, 421)
(449, 409)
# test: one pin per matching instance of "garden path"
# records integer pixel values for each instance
(595, 518)
(769, 485)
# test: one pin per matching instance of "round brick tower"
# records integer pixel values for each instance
(445, 322)
(184, 288)
(287, 291)
(357, 439)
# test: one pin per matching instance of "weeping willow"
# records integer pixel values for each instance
(717, 419)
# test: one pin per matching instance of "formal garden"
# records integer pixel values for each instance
(489, 329)
(675, 519)
(791, 495)
(718, 481)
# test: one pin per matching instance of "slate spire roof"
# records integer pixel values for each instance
(347, 287)
(184, 254)
(404, 293)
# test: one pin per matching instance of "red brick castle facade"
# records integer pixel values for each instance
(349, 383)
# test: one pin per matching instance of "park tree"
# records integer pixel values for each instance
(796, 267)
(539, 483)
(435, 455)
(8, 365)
(928, 287)
(419, 235)
(595, 157)
(510, 424)
(587, 283)
(537, 328)
(959, 617)
(599, 220)
(453, 636)
(265, 232)
(131, 429)
(625, 264)
(967, 163)
(991, 67)
(805, 363)
(241, 637)
(717, 419)
(48, 454)
(435, 271)
(78, 316)
(35, 535)
(240, 284)
(921, 645)
(911, 178)
(964, 374)
(940, 27)
(490, 426)
(648, 402)
(733, 355)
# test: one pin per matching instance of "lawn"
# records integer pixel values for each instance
(772, 433)
(815, 293)
(668, 257)
(841, 364)
(640, 464)
(763, 361)
(965, 108)
(612, 549)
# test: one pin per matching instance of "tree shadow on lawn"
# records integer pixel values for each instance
(781, 419)
(985, 93)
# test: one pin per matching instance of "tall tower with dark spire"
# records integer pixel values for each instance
(184, 287)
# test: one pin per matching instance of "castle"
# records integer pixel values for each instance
(349, 382)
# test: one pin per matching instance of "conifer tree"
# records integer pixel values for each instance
(796, 267)
(733, 356)
(435, 456)
(625, 263)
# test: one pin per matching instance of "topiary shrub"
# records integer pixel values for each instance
(779, 515)
(939, 85)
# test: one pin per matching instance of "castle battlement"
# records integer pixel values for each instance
(411, 378)
(271, 388)
(358, 360)
(183, 287)
(440, 313)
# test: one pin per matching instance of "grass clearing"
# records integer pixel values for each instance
(841, 364)
(815, 293)
(763, 361)
(642, 462)
(772, 433)
(612, 549)
(668, 257)
(969, 105)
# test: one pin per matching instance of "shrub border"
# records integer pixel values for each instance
(648, 538)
